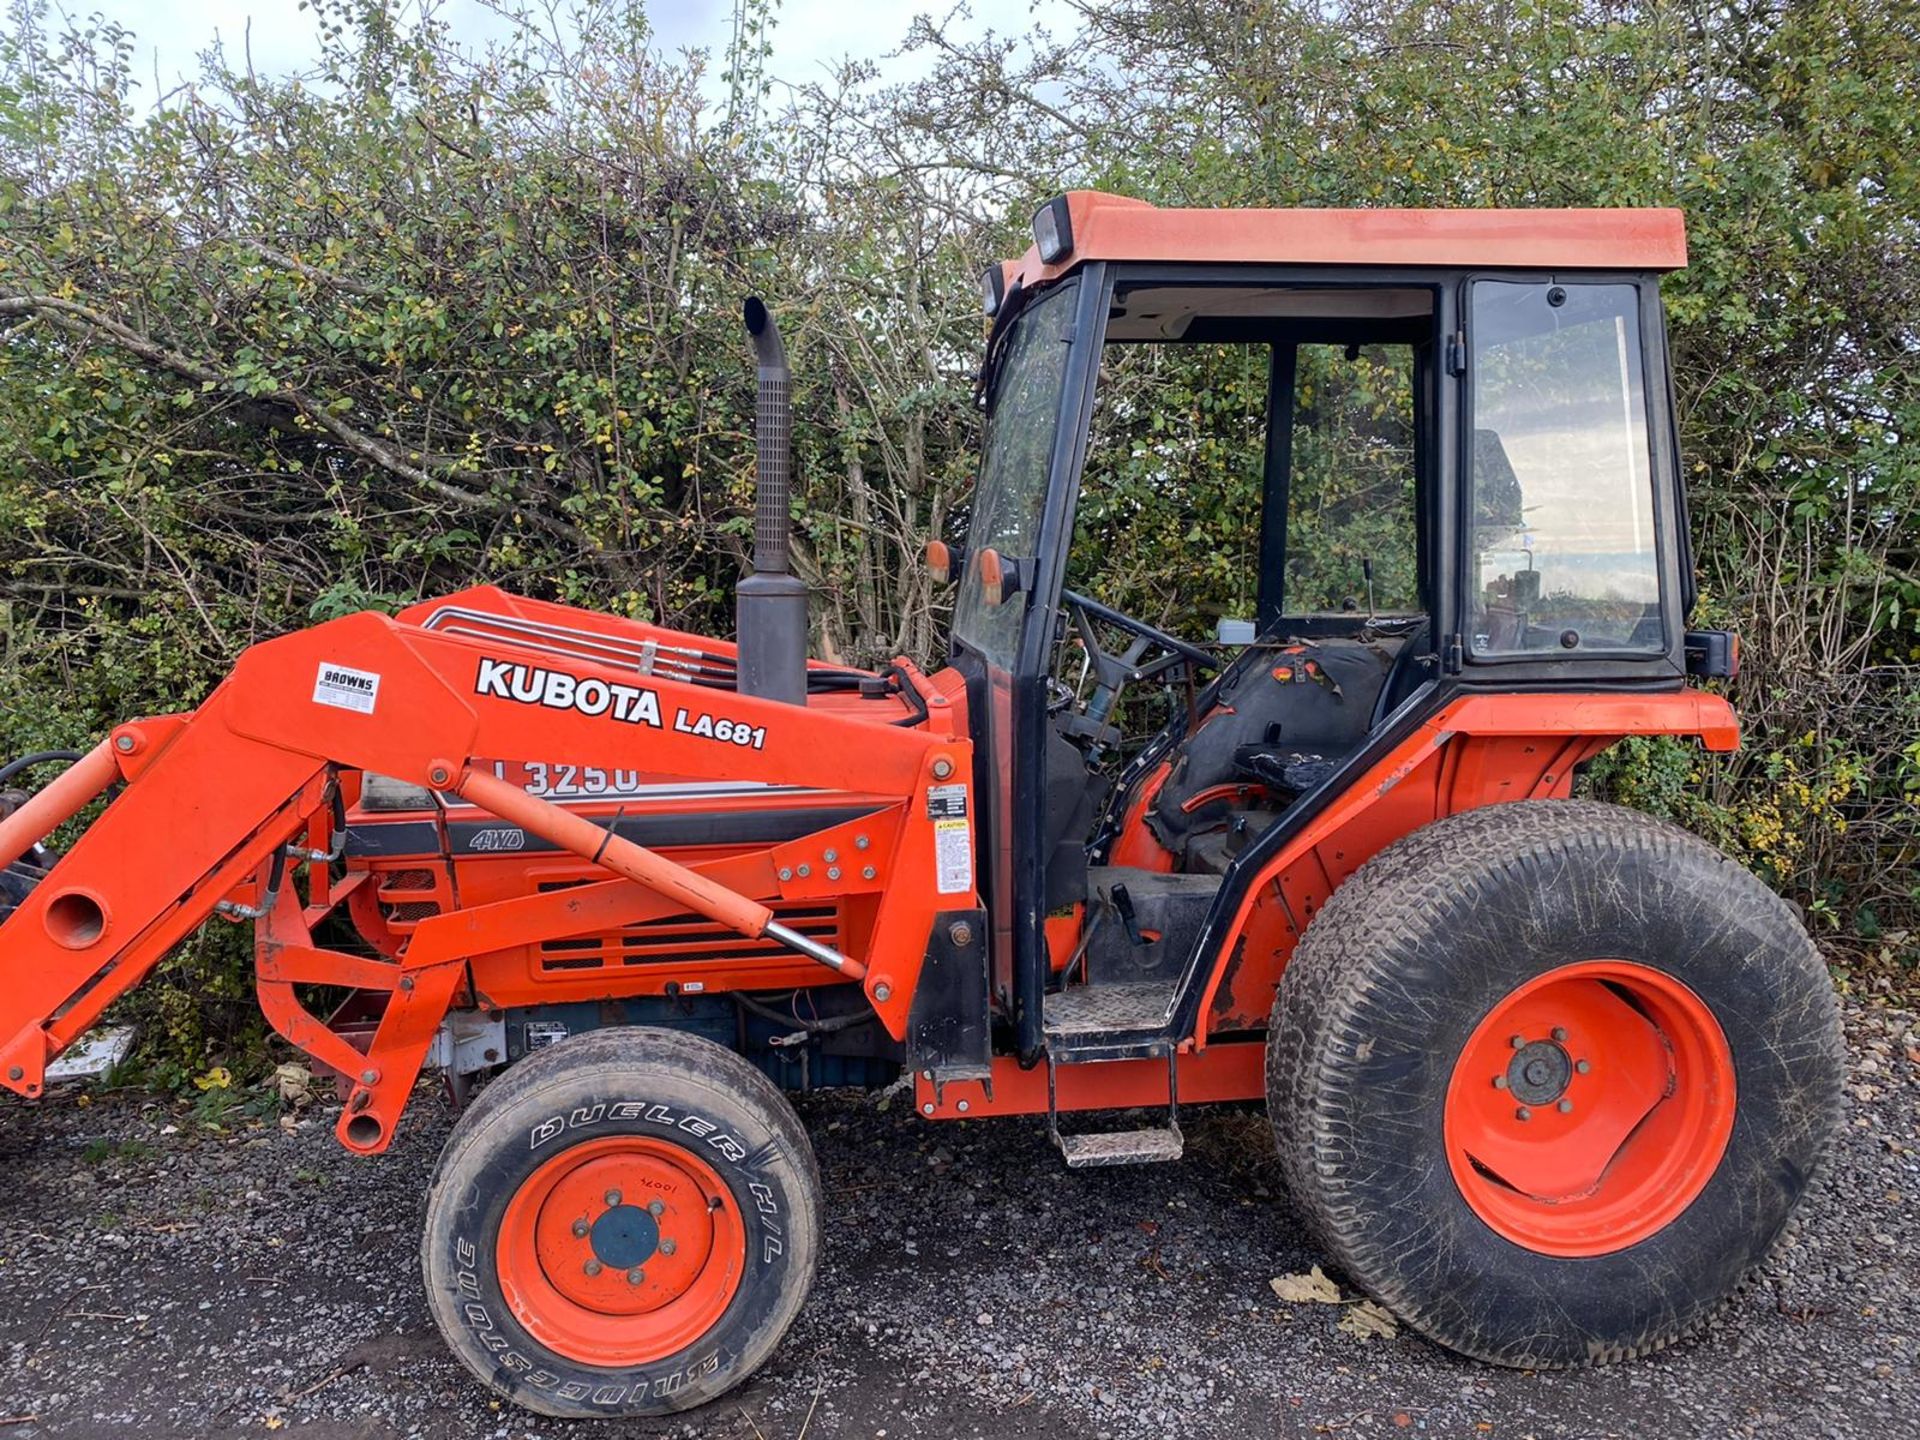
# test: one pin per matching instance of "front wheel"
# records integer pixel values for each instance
(623, 1225)
(1548, 1079)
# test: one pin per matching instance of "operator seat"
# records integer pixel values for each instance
(1413, 665)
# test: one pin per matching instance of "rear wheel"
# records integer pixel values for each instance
(1548, 1079)
(625, 1224)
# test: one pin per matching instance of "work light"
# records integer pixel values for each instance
(1053, 230)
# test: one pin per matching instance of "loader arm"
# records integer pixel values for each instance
(215, 805)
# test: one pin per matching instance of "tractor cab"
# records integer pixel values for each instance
(1403, 454)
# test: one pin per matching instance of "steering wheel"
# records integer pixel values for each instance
(1113, 673)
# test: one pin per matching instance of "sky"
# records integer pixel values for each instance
(808, 35)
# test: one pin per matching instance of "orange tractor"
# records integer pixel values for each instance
(1547, 1077)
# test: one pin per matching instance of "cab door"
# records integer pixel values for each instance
(1035, 439)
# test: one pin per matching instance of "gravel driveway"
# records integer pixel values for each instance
(159, 1278)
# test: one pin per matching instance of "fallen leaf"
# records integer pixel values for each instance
(295, 1082)
(1367, 1320)
(1313, 1288)
(218, 1078)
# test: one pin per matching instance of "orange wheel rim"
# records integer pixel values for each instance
(621, 1251)
(1589, 1108)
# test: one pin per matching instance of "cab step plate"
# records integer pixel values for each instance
(1122, 1147)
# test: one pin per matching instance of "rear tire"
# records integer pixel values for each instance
(625, 1224)
(1596, 1190)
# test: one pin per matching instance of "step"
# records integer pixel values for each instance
(1122, 1147)
(1086, 1023)
(1084, 1010)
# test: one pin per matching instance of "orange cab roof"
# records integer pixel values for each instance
(1113, 227)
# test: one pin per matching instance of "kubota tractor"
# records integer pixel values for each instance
(1547, 1077)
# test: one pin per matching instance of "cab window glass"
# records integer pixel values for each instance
(1350, 496)
(1168, 522)
(1011, 493)
(1561, 531)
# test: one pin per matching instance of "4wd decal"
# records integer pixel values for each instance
(630, 704)
(497, 840)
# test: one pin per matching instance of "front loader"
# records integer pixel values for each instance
(1546, 1077)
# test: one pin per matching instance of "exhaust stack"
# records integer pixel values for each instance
(770, 605)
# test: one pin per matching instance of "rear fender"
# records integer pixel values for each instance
(1476, 750)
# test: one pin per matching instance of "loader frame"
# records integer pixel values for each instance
(215, 814)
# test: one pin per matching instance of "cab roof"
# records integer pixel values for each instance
(1115, 227)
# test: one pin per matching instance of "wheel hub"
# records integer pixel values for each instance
(1539, 1072)
(625, 1236)
(1610, 1104)
(621, 1250)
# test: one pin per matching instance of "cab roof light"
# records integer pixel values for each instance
(993, 289)
(1053, 231)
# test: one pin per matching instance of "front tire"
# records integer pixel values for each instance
(623, 1225)
(1548, 1079)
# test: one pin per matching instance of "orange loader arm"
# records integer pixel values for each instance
(215, 806)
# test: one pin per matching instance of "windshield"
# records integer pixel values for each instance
(1010, 495)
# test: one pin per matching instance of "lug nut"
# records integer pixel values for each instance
(667, 1247)
(1519, 1042)
(612, 1197)
(656, 1208)
(1560, 1033)
(592, 1267)
(1523, 1113)
(579, 1229)
(1566, 1107)
(636, 1275)
(1583, 1066)
(1499, 1082)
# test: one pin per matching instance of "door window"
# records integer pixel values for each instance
(1011, 493)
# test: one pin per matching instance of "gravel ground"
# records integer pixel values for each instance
(162, 1278)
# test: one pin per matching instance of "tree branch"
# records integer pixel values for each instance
(83, 320)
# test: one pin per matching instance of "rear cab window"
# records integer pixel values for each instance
(1561, 537)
